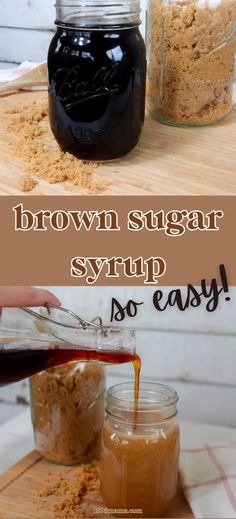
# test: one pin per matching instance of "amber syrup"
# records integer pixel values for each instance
(19, 363)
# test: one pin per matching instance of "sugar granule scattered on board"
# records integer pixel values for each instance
(71, 490)
(27, 183)
(31, 139)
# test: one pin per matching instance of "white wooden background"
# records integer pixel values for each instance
(26, 28)
(193, 350)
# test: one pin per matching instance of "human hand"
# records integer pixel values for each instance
(18, 297)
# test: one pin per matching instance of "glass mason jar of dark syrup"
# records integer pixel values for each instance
(97, 77)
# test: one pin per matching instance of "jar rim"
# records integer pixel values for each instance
(153, 397)
(97, 13)
(85, 28)
(169, 394)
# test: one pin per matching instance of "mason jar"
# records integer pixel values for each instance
(97, 75)
(67, 409)
(191, 65)
(140, 450)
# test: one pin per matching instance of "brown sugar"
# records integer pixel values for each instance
(191, 60)
(31, 139)
(27, 183)
(67, 496)
(68, 412)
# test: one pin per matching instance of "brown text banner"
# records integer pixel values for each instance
(117, 241)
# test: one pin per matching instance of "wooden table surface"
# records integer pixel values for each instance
(19, 487)
(167, 161)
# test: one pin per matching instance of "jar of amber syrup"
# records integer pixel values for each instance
(140, 450)
(97, 74)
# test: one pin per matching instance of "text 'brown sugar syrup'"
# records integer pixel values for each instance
(20, 360)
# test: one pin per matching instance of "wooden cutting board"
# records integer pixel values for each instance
(167, 161)
(20, 484)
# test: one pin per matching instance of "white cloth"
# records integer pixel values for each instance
(208, 474)
(16, 72)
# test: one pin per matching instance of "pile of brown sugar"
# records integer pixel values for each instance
(30, 137)
(68, 495)
(27, 183)
(191, 48)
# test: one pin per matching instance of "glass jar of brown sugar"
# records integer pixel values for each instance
(67, 406)
(97, 74)
(140, 450)
(191, 49)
